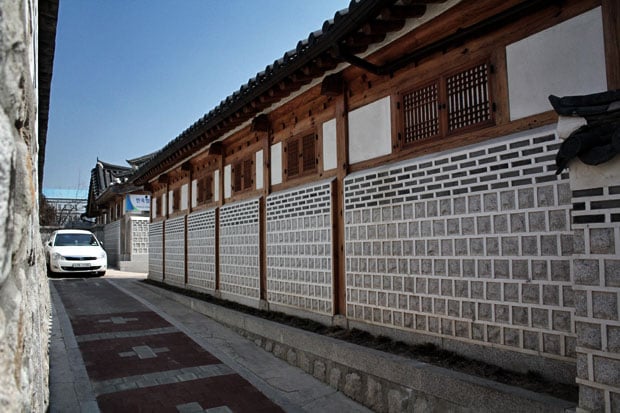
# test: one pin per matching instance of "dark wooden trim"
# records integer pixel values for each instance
(342, 168)
(611, 32)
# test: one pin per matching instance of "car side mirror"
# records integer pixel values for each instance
(49, 243)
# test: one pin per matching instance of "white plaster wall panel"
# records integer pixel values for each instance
(276, 163)
(174, 253)
(216, 185)
(299, 248)
(139, 235)
(227, 181)
(260, 167)
(473, 245)
(171, 202)
(154, 207)
(239, 250)
(370, 131)
(567, 59)
(330, 154)
(194, 193)
(184, 197)
(164, 204)
(156, 251)
(201, 250)
(112, 242)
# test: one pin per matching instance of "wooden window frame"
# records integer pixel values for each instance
(442, 111)
(304, 162)
(204, 187)
(243, 174)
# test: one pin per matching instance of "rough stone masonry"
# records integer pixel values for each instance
(24, 294)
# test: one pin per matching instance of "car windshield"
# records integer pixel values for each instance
(64, 240)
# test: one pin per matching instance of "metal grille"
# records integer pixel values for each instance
(468, 98)
(420, 109)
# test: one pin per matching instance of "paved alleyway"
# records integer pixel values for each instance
(118, 347)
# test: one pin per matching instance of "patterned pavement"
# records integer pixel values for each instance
(139, 362)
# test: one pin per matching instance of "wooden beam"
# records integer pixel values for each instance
(611, 33)
(375, 27)
(332, 85)
(261, 123)
(403, 12)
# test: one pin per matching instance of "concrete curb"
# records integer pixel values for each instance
(381, 381)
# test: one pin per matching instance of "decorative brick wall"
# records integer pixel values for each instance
(111, 242)
(139, 235)
(201, 250)
(473, 244)
(239, 250)
(156, 251)
(299, 248)
(596, 264)
(174, 261)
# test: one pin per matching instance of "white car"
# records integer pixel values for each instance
(72, 251)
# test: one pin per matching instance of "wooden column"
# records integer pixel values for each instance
(342, 149)
(611, 32)
(263, 215)
(220, 202)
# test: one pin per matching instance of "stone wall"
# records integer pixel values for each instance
(299, 248)
(239, 251)
(472, 245)
(156, 251)
(201, 250)
(24, 293)
(174, 253)
(112, 242)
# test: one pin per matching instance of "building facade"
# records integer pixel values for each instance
(121, 213)
(396, 173)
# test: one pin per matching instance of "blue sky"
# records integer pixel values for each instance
(131, 75)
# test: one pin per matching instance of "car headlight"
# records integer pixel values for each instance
(102, 254)
(56, 256)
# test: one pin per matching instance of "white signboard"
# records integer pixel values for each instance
(137, 203)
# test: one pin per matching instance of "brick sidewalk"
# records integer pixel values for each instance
(137, 361)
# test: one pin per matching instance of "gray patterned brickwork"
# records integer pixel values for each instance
(473, 244)
(111, 242)
(139, 235)
(201, 250)
(596, 263)
(174, 261)
(156, 253)
(239, 249)
(299, 248)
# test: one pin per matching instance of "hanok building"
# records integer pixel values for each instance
(121, 210)
(396, 173)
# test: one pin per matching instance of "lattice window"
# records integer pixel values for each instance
(468, 98)
(421, 113)
(243, 174)
(205, 189)
(450, 103)
(176, 199)
(301, 156)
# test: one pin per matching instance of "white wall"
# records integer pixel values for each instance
(330, 156)
(370, 131)
(567, 59)
(276, 163)
(259, 169)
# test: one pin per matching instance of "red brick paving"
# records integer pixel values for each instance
(103, 362)
(91, 324)
(229, 390)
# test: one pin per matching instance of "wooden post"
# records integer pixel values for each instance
(611, 33)
(266, 165)
(342, 156)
